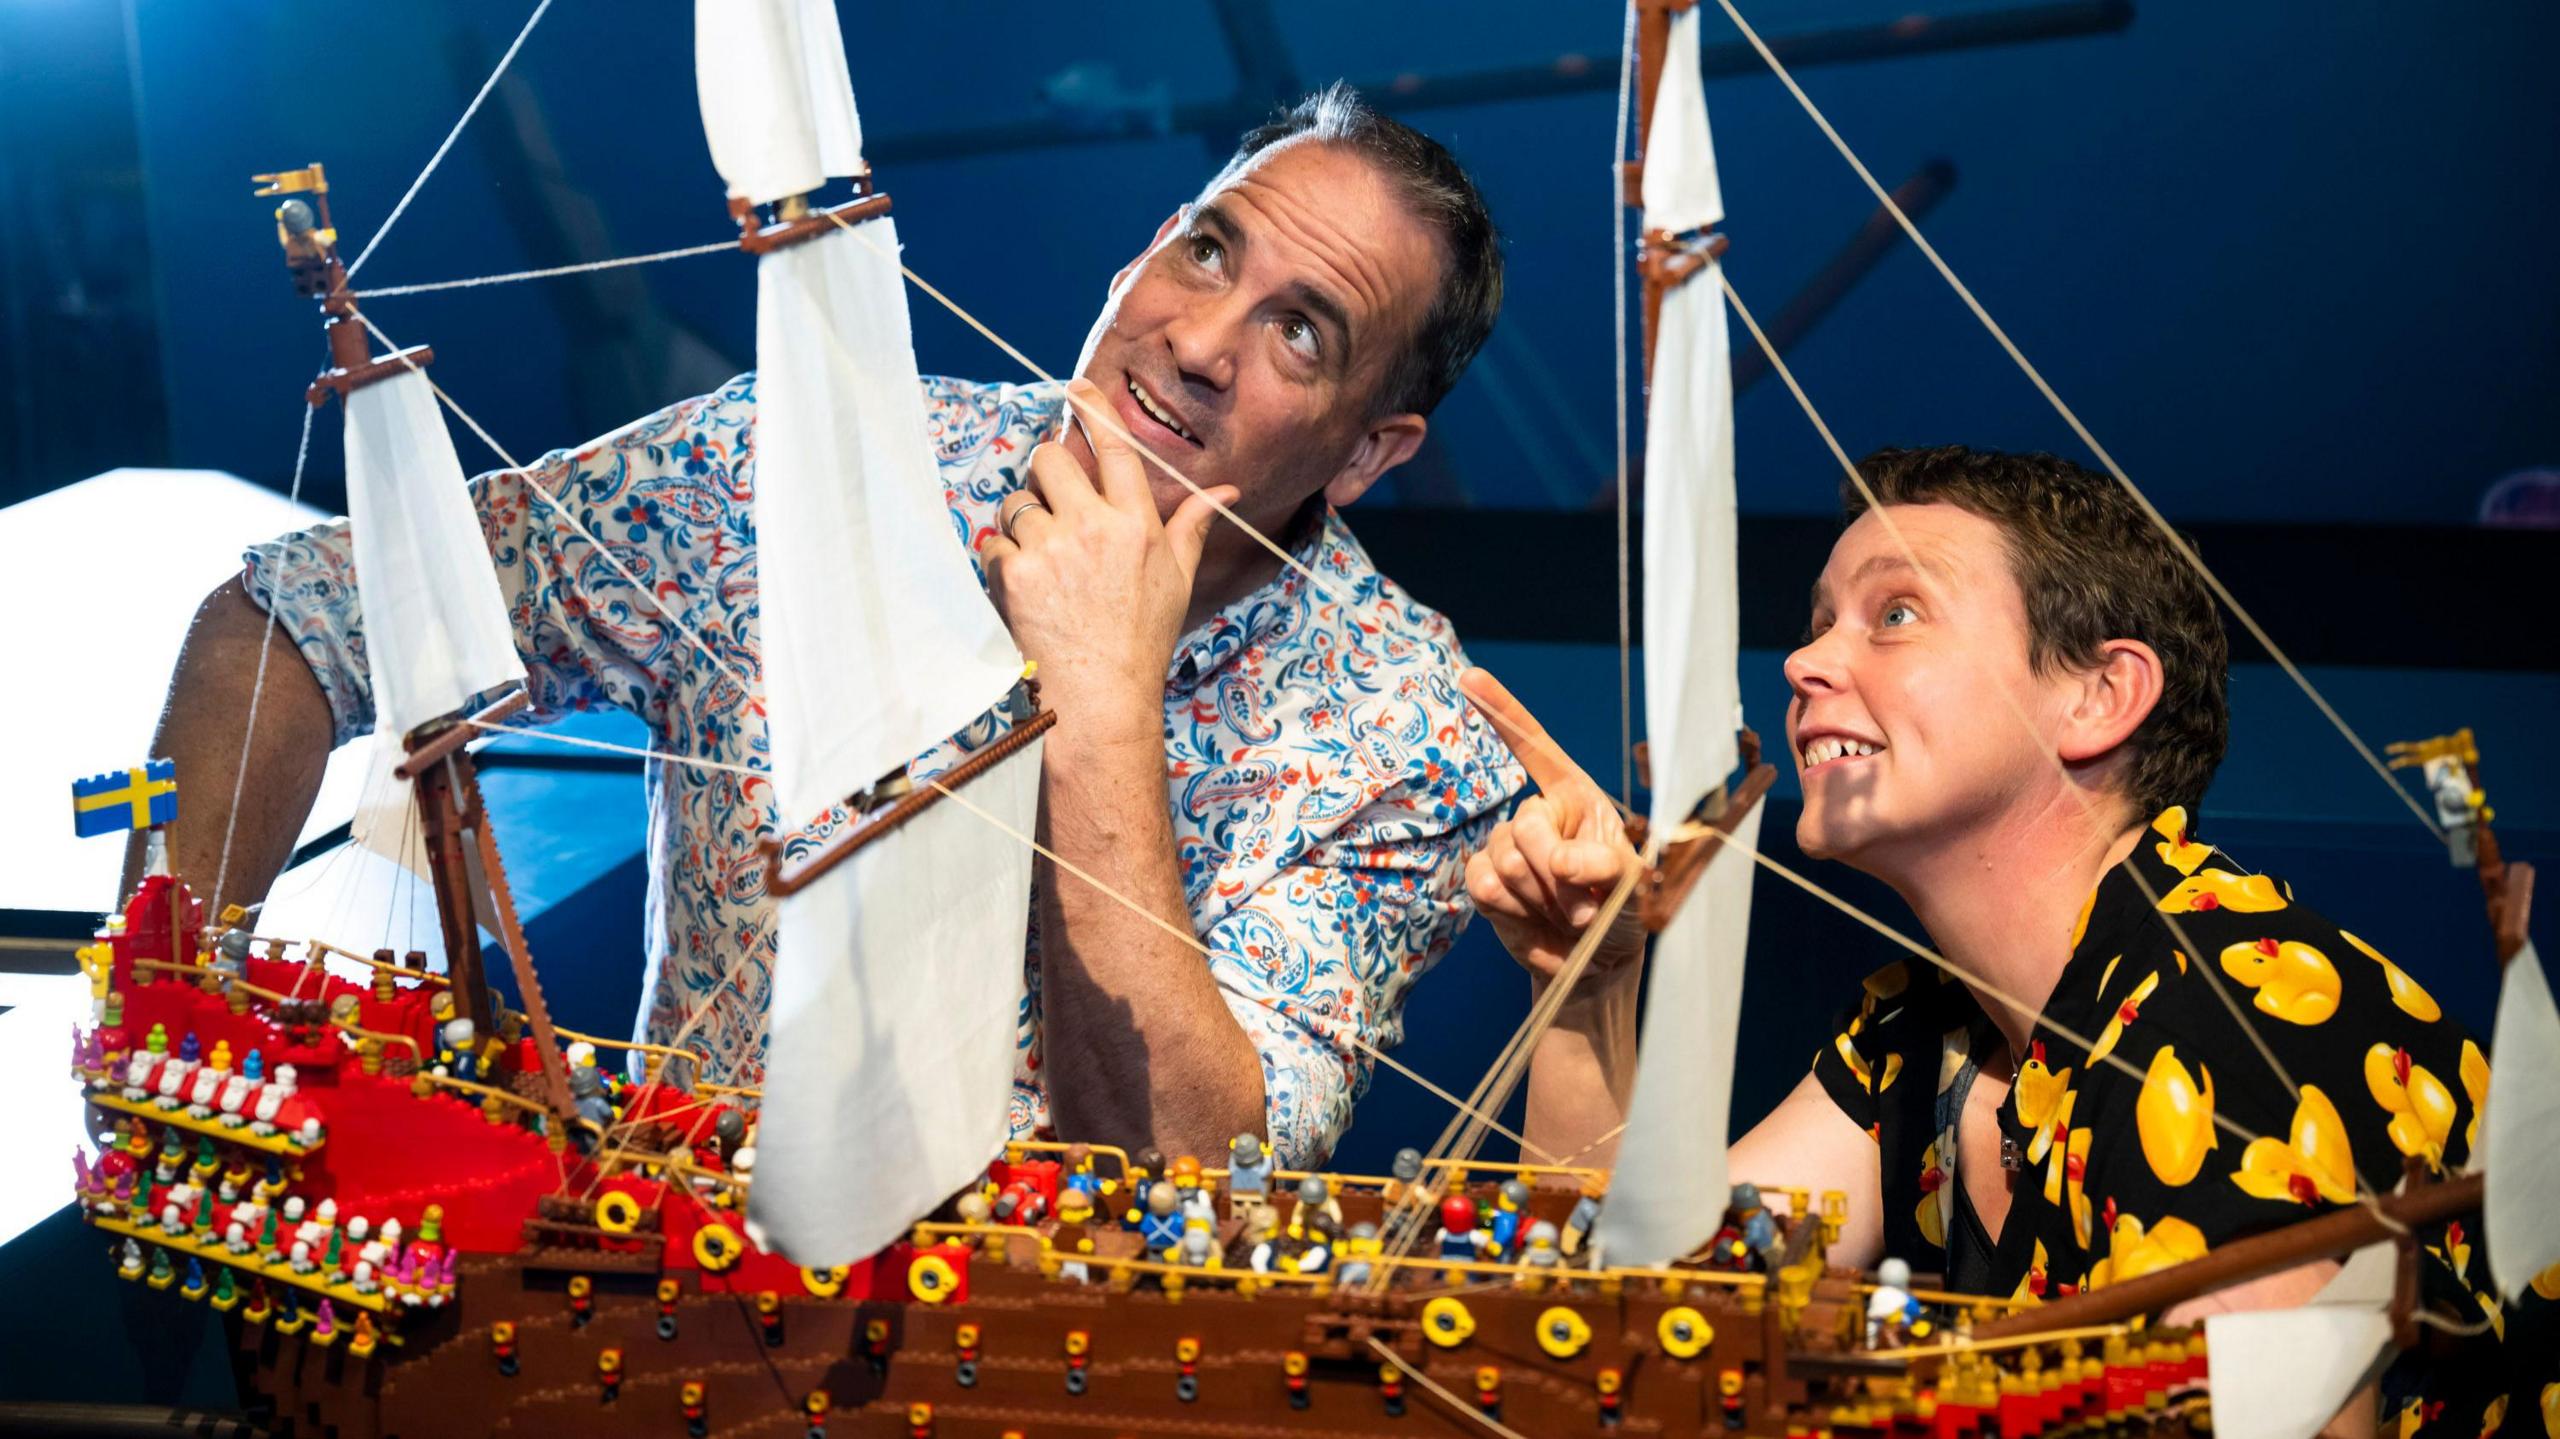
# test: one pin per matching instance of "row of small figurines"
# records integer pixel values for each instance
(207, 1089)
(225, 1294)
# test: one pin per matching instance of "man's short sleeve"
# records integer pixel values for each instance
(656, 494)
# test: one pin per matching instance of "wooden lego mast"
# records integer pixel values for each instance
(462, 851)
(1665, 261)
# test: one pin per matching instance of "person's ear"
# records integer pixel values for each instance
(1388, 442)
(1171, 223)
(2110, 700)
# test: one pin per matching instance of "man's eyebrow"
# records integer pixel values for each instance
(1316, 302)
(1875, 565)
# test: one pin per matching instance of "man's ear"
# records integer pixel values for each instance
(1389, 442)
(1171, 223)
(2113, 698)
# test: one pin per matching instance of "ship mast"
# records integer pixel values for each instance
(464, 868)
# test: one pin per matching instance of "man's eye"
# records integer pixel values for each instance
(1300, 335)
(1897, 614)
(1206, 252)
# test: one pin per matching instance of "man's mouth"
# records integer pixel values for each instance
(1824, 749)
(1157, 412)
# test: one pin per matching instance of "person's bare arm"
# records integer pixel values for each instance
(1139, 1044)
(201, 728)
(1807, 1143)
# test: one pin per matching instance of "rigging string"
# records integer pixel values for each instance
(515, 276)
(2177, 541)
(258, 685)
(1618, 357)
(2203, 964)
(450, 136)
(1351, 1040)
(568, 516)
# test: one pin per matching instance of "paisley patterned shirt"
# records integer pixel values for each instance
(1326, 778)
(2126, 1172)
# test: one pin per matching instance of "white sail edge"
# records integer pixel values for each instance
(777, 101)
(2521, 1224)
(2284, 1373)
(1692, 653)
(878, 640)
(887, 1081)
(1665, 1199)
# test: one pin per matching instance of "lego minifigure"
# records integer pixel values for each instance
(1458, 1237)
(1317, 1257)
(1185, 1174)
(586, 1091)
(1509, 1205)
(1248, 1175)
(1199, 1246)
(1403, 1173)
(459, 1058)
(1538, 1247)
(129, 1263)
(1584, 1218)
(1359, 1249)
(1071, 1236)
(1262, 1239)
(1891, 1311)
(1314, 1197)
(1160, 1228)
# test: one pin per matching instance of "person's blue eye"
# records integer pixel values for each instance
(1903, 608)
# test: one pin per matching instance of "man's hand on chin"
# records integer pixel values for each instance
(1091, 583)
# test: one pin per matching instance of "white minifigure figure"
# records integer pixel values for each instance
(1890, 1309)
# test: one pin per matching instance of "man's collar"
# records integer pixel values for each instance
(1322, 543)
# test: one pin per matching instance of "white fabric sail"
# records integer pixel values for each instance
(1666, 1198)
(1692, 639)
(2284, 1373)
(2521, 1221)
(887, 1079)
(878, 640)
(435, 624)
(777, 102)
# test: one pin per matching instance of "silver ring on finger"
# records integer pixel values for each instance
(1012, 515)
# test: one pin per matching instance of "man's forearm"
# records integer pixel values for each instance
(1583, 1070)
(201, 729)
(1139, 1045)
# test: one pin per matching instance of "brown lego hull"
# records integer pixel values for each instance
(446, 1378)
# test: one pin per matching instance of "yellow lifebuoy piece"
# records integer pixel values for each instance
(716, 1247)
(825, 1283)
(618, 1212)
(1684, 1332)
(1562, 1333)
(1446, 1322)
(931, 1279)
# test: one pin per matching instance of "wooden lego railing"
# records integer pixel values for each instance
(1014, 1149)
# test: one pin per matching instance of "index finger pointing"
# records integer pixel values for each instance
(1549, 767)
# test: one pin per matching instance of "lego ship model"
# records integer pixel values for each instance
(424, 1210)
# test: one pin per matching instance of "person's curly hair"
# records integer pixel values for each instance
(2092, 568)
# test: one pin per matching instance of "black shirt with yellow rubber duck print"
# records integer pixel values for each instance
(2125, 1169)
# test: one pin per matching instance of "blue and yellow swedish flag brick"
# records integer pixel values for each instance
(125, 799)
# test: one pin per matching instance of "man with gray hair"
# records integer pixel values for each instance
(1268, 754)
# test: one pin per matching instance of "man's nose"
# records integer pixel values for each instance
(1814, 667)
(1203, 342)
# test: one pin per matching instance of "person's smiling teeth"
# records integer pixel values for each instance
(1831, 747)
(1148, 404)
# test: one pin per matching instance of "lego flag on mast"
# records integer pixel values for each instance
(125, 799)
